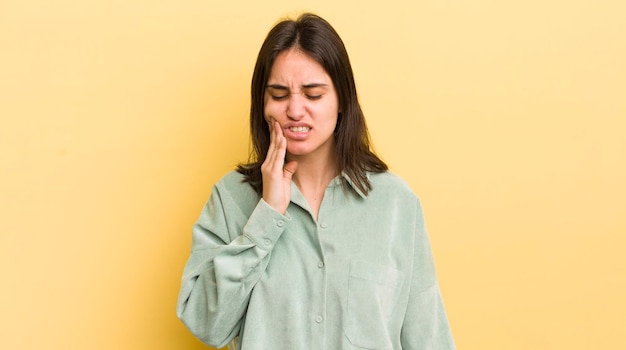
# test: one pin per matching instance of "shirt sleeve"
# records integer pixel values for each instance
(425, 324)
(228, 256)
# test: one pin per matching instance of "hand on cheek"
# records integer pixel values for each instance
(276, 174)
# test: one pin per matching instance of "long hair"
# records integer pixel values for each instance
(315, 37)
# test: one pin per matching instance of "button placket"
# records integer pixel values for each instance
(320, 304)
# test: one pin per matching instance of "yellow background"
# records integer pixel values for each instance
(506, 117)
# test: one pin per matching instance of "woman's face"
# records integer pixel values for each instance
(301, 97)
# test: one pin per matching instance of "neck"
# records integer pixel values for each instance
(314, 174)
(312, 178)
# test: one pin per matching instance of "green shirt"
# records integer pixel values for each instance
(360, 277)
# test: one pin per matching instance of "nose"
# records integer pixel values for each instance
(295, 108)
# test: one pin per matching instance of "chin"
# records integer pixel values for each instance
(299, 151)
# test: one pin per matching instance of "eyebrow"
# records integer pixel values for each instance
(306, 86)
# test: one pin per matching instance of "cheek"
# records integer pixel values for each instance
(332, 114)
(271, 109)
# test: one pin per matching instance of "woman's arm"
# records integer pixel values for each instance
(425, 324)
(228, 257)
(229, 254)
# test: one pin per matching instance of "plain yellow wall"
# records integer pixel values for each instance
(506, 117)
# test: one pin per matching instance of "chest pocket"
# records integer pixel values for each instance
(373, 292)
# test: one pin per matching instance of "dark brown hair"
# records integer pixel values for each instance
(315, 37)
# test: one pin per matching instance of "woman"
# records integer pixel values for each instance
(312, 244)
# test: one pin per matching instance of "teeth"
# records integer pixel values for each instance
(299, 129)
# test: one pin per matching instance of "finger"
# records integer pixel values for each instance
(290, 169)
(273, 138)
(279, 155)
(278, 144)
(275, 155)
(276, 127)
(279, 133)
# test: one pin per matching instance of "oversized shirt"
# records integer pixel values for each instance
(361, 276)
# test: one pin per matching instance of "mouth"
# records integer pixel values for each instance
(299, 129)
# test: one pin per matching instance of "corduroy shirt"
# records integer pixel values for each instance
(361, 276)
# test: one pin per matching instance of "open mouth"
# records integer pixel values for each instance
(299, 129)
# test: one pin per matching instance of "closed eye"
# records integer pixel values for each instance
(312, 92)
(314, 97)
(279, 97)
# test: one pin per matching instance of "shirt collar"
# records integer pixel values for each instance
(298, 199)
(337, 181)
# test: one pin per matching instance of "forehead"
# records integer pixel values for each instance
(295, 68)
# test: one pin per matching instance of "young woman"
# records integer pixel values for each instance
(312, 244)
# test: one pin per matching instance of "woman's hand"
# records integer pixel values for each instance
(276, 174)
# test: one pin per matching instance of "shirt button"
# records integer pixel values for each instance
(267, 241)
(320, 264)
(324, 225)
(319, 319)
(280, 223)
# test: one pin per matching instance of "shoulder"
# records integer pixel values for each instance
(233, 185)
(390, 182)
(233, 195)
(231, 178)
(391, 189)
